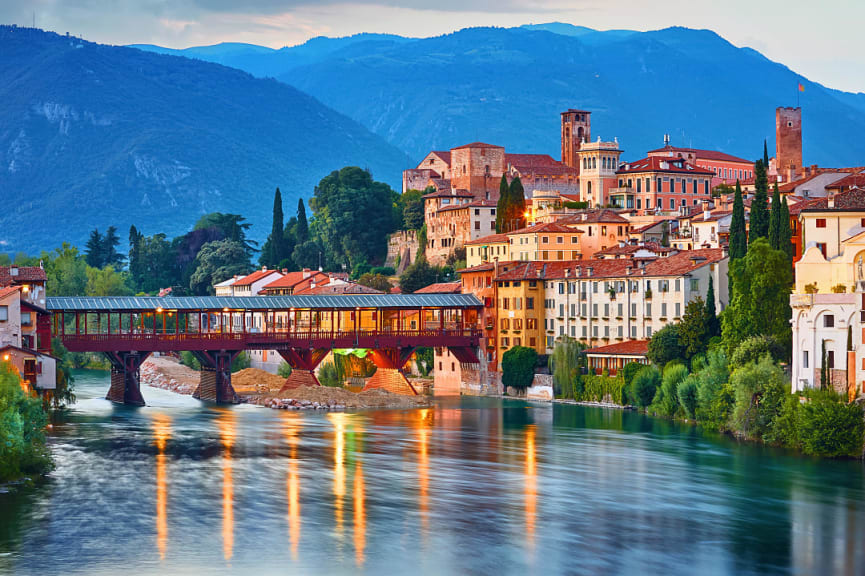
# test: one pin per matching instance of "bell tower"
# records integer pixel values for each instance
(576, 129)
(788, 142)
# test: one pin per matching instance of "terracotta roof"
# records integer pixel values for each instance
(850, 181)
(491, 239)
(653, 164)
(627, 348)
(684, 262)
(633, 248)
(474, 204)
(292, 279)
(571, 197)
(713, 216)
(396, 290)
(651, 225)
(704, 154)
(428, 172)
(852, 199)
(477, 145)
(441, 288)
(4, 292)
(343, 288)
(25, 274)
(251, 279)
(531, 160)
(448, 193)
(604, 215)
(444, 155)
(546, 227)
(545, 170)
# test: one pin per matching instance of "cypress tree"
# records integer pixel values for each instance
(765, 155)
(275, 247)
(517, 204)
(775, 240)
(301, 233)
(759, 206)
(502, 206)
(713, 325)
(738, 241)
(135, 255)
(786, 235)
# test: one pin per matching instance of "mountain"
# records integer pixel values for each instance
(93, 136)
(508, 86)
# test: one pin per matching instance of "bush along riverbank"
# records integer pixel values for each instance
(23, 452)
(748, 397)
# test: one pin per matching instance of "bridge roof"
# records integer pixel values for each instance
(328, 302)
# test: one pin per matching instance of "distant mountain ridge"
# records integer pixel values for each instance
(508, 85)
(93, 136)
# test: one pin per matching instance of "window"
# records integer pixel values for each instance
(560, 239)
(648, 331)
(561, 287)
(530, 303)
(620, 331)
(695, 284)
(829, 321)
(584, 331)
(603, 230)
(678, 309)
(505, 303)
(657, 186)
(619, 310)
(633, 332)
(678, 285)
(505, 323)
(695, 187)
(606, 310)
(672, 185)
(821, 223)
(545, 239)
(594, 310)
(25, 319)
(805, 359)
(477, 224)
(663, 309)
(830, 359)
(672, 203)
(532, 323)
(4, 313)
(648, 308)
(504, 343)
(633, 310)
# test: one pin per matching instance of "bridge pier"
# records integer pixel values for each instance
(389, 375)
(215, 385)
(126, 377)
(303, 364)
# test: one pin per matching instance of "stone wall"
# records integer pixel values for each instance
(402, 246)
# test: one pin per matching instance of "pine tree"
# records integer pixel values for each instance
(713, 325)
(786, 235)
(517, 204)
(502, 206)
(94, 250)
(759, 206)
(276, 244)
(738, 241)
(301, 232)
(110, 255)
(775, 221)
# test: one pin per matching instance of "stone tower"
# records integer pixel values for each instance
(576, 129)
(788, 141)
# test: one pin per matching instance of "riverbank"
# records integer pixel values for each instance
(262, 388)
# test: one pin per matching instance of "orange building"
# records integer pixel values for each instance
(601, 229)
(659, 184)
(725, 167)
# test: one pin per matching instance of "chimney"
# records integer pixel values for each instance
(13, 271)
(567, 272)
(643, 271)
(284, 270)
(579, 270)
(264, 268)
(629, 270)
(706, 212)
(306, 273)
(589, 270)
(830, 200)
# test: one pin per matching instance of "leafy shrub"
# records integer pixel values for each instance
(284, 370)
(644, 386)
(687, 394)
(666, 401)
(785, 427)
(241, 362)
(22, 425)
(829, 427)
(630, 370)
(518, 367)
(383, 270)
(603, 388)
(760, 389)
(329, 375)
(753, 349)
(188, 359)
(664, 346)
(714, 395)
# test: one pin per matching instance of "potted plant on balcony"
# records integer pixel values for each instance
(612, 292)
(649, 294)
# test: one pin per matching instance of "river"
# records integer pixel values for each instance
(468, 486)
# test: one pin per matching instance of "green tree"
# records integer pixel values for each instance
(738, 235)
(22, 426)
(693, 329)
(301, 231)
(106, 282)
(759, 205)
(827, 426)
(93, 249)
(630, 370)
(350, 218)
(376, 282)
(230, 227)
(516, 205)
(158, 268)
(713, 324)
(666, 400)
(66, 271)
(714, 397)
(753, 348)
(110, 255)
(644, 386)
(566, 363)
(775, 240)
(419, 275)
(64, 393)
(687, 395)
(412, 209)
(518, 367)
(786, 234)
(274, 250)
(760, 297)
(135, 264)
(765, 154)
(760, 389)
(218, 261)
(664, 345)
(503, 205)
(665, 234)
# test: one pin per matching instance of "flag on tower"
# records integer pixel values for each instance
(801, 88)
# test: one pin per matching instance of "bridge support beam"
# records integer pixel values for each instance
(215, 385)
(126, 377)
(303, 364)
(389, 375)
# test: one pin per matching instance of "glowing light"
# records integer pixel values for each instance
(227, 434)
(359, 516)
(338, 420)
(292, 488)
(423, 470)
(531, 486)
(161, 435)
(6, 357)
(159, 310)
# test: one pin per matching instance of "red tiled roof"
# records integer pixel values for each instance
(444, 155)
(713, 216)
(852, 199)
(571, 197)
(633, 248)
(25, 274)
(531, 160)
(491, 239)
(251, 279)
(428, 172)
(4, 292)
(627, 348)
(340, 289)
(292, 279)
(477, 145)
(546, 227)
(604, 215)
(650, 225)
(473, 204)
(684, 262)
(850, 181)
(704, 154)
(653, 164)
(441, 288)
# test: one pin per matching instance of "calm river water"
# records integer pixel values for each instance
(468, 486)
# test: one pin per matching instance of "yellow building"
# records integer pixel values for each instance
(520, 307)
(547, 242)
(487, 249)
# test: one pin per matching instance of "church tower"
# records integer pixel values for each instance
(788, 142)
(576, 129)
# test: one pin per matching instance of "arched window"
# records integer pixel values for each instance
(589, 188)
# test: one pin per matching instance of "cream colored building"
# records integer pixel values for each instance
(487, 249)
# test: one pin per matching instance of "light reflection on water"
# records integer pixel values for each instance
(477, 486)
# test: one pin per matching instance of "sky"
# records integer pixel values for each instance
(820, 40)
